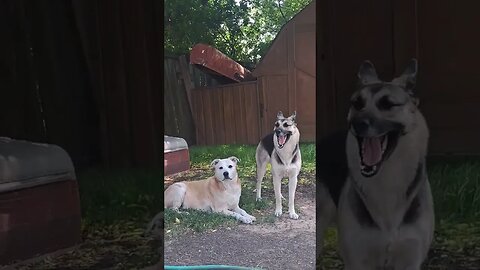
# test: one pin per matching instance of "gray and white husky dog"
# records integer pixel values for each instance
(373, 177)
(281, 149)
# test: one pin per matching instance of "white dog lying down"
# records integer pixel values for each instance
(219, 193)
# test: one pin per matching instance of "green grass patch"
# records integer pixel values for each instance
(109, 196)
(455, 186)
(194, 220)
(202, 156)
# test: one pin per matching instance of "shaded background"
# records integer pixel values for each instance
(443, 35)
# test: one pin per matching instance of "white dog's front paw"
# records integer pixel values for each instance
(253, 218)
(293, 215)
(247, 220)
(278, 212)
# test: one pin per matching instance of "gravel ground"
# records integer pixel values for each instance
(283, 244)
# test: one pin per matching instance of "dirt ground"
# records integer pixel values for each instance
(282, 244)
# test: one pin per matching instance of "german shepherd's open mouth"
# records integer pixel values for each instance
(374, 150)
(282, 137)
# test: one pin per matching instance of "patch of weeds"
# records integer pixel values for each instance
(455, 186)
(249, 203)
(197, 221)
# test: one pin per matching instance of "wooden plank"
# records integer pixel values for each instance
(169, 90)
(209, 122)
(256, 108)
(448, 74)
(251, 116)
(405, 33)
(20, 115)
(138, 83)
(262, 106)
(219, 124)
(183, 113)
(454, 141)
(229, 114)
(154, 58)
(199, 114)
(355, 44)
(241, 124)
(113, 68)
(184, 70)
(87, 20)
(326, 89)
(291, 78)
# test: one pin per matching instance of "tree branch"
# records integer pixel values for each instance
(281, 12)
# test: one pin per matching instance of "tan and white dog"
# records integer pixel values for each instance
(219, 193)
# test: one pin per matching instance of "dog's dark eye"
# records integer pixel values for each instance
(358, 103)
(285, 125)
(277, 124)
(230, 166)
(386, 104)
(221, 168)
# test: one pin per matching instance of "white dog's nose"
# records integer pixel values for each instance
(225, 174)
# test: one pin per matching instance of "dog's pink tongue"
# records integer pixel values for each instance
(372, 151)
(282, 139)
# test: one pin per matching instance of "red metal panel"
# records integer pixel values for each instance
(39, 220)
(177, 161)
(219, 63)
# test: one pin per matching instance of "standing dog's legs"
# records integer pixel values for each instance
(277, 186)
(262, 161)
(292, 186)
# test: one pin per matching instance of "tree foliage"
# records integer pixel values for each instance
(242, 29)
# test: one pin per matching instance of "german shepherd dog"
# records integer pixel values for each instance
(281, 149)
(373, 177)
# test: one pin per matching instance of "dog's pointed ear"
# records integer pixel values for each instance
(409, 77)
(280, 115)
(294, 116)
(214, 162)
(367, 73)
(234, 159)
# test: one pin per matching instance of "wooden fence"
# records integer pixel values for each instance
(177, 117)
(227, 114)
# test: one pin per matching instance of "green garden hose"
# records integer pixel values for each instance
(207, 267)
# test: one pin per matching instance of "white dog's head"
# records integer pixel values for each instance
(225, 169)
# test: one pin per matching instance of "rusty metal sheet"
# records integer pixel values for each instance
(214, 60)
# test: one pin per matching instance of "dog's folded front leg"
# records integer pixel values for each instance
(243, 213)
(244, 219)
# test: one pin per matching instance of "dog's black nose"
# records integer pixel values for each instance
(225, 174)
(360, 125)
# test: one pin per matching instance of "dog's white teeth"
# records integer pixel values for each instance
(362, 167)
(374, 168)
(384, 144)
